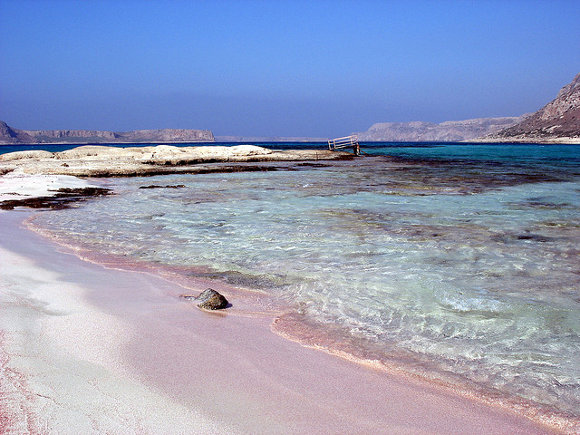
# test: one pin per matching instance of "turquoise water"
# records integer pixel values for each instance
(460, 260)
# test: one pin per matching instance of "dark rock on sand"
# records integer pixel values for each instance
(62, 199)
(209, 299)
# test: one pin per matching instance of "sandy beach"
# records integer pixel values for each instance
(95, 350)
(286, 217)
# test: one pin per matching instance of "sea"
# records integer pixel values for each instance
(455, 262)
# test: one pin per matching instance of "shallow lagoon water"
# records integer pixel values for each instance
(455, 261)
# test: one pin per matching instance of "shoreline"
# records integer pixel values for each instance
(286, 323)
(296, 388)
(528, 140)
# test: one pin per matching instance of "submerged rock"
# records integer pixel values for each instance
(169, 186)
(209, 299)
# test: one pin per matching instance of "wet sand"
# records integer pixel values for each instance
(85, 348)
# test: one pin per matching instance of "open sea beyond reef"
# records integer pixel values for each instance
(459, 262)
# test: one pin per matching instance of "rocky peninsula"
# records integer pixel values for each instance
(107, 161)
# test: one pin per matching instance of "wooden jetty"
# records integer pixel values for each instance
(345, 142)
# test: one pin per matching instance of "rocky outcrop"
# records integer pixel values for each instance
(558, 119)
(209, 299)
(105, 161)
(448, 131)
(27, 155)
(9, 135)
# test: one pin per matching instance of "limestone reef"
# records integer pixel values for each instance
(106, 161)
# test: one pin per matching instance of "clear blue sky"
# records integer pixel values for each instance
(288, 68)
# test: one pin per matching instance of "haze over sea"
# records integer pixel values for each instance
(454, 261)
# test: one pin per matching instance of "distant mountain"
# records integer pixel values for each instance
(559, 119)
(9, 135)
(448, 131)
(269, 139)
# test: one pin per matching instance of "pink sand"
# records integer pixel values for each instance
(125, 337)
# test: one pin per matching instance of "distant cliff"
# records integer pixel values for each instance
(559, 119)
(9, 135)
(269, 139)
(448, 131)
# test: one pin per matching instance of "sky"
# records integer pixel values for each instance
(279, 68)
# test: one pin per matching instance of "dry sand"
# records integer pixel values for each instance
(23, 186)
(89, 349)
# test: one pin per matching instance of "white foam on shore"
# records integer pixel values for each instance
(21, 186)
(60, 363)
